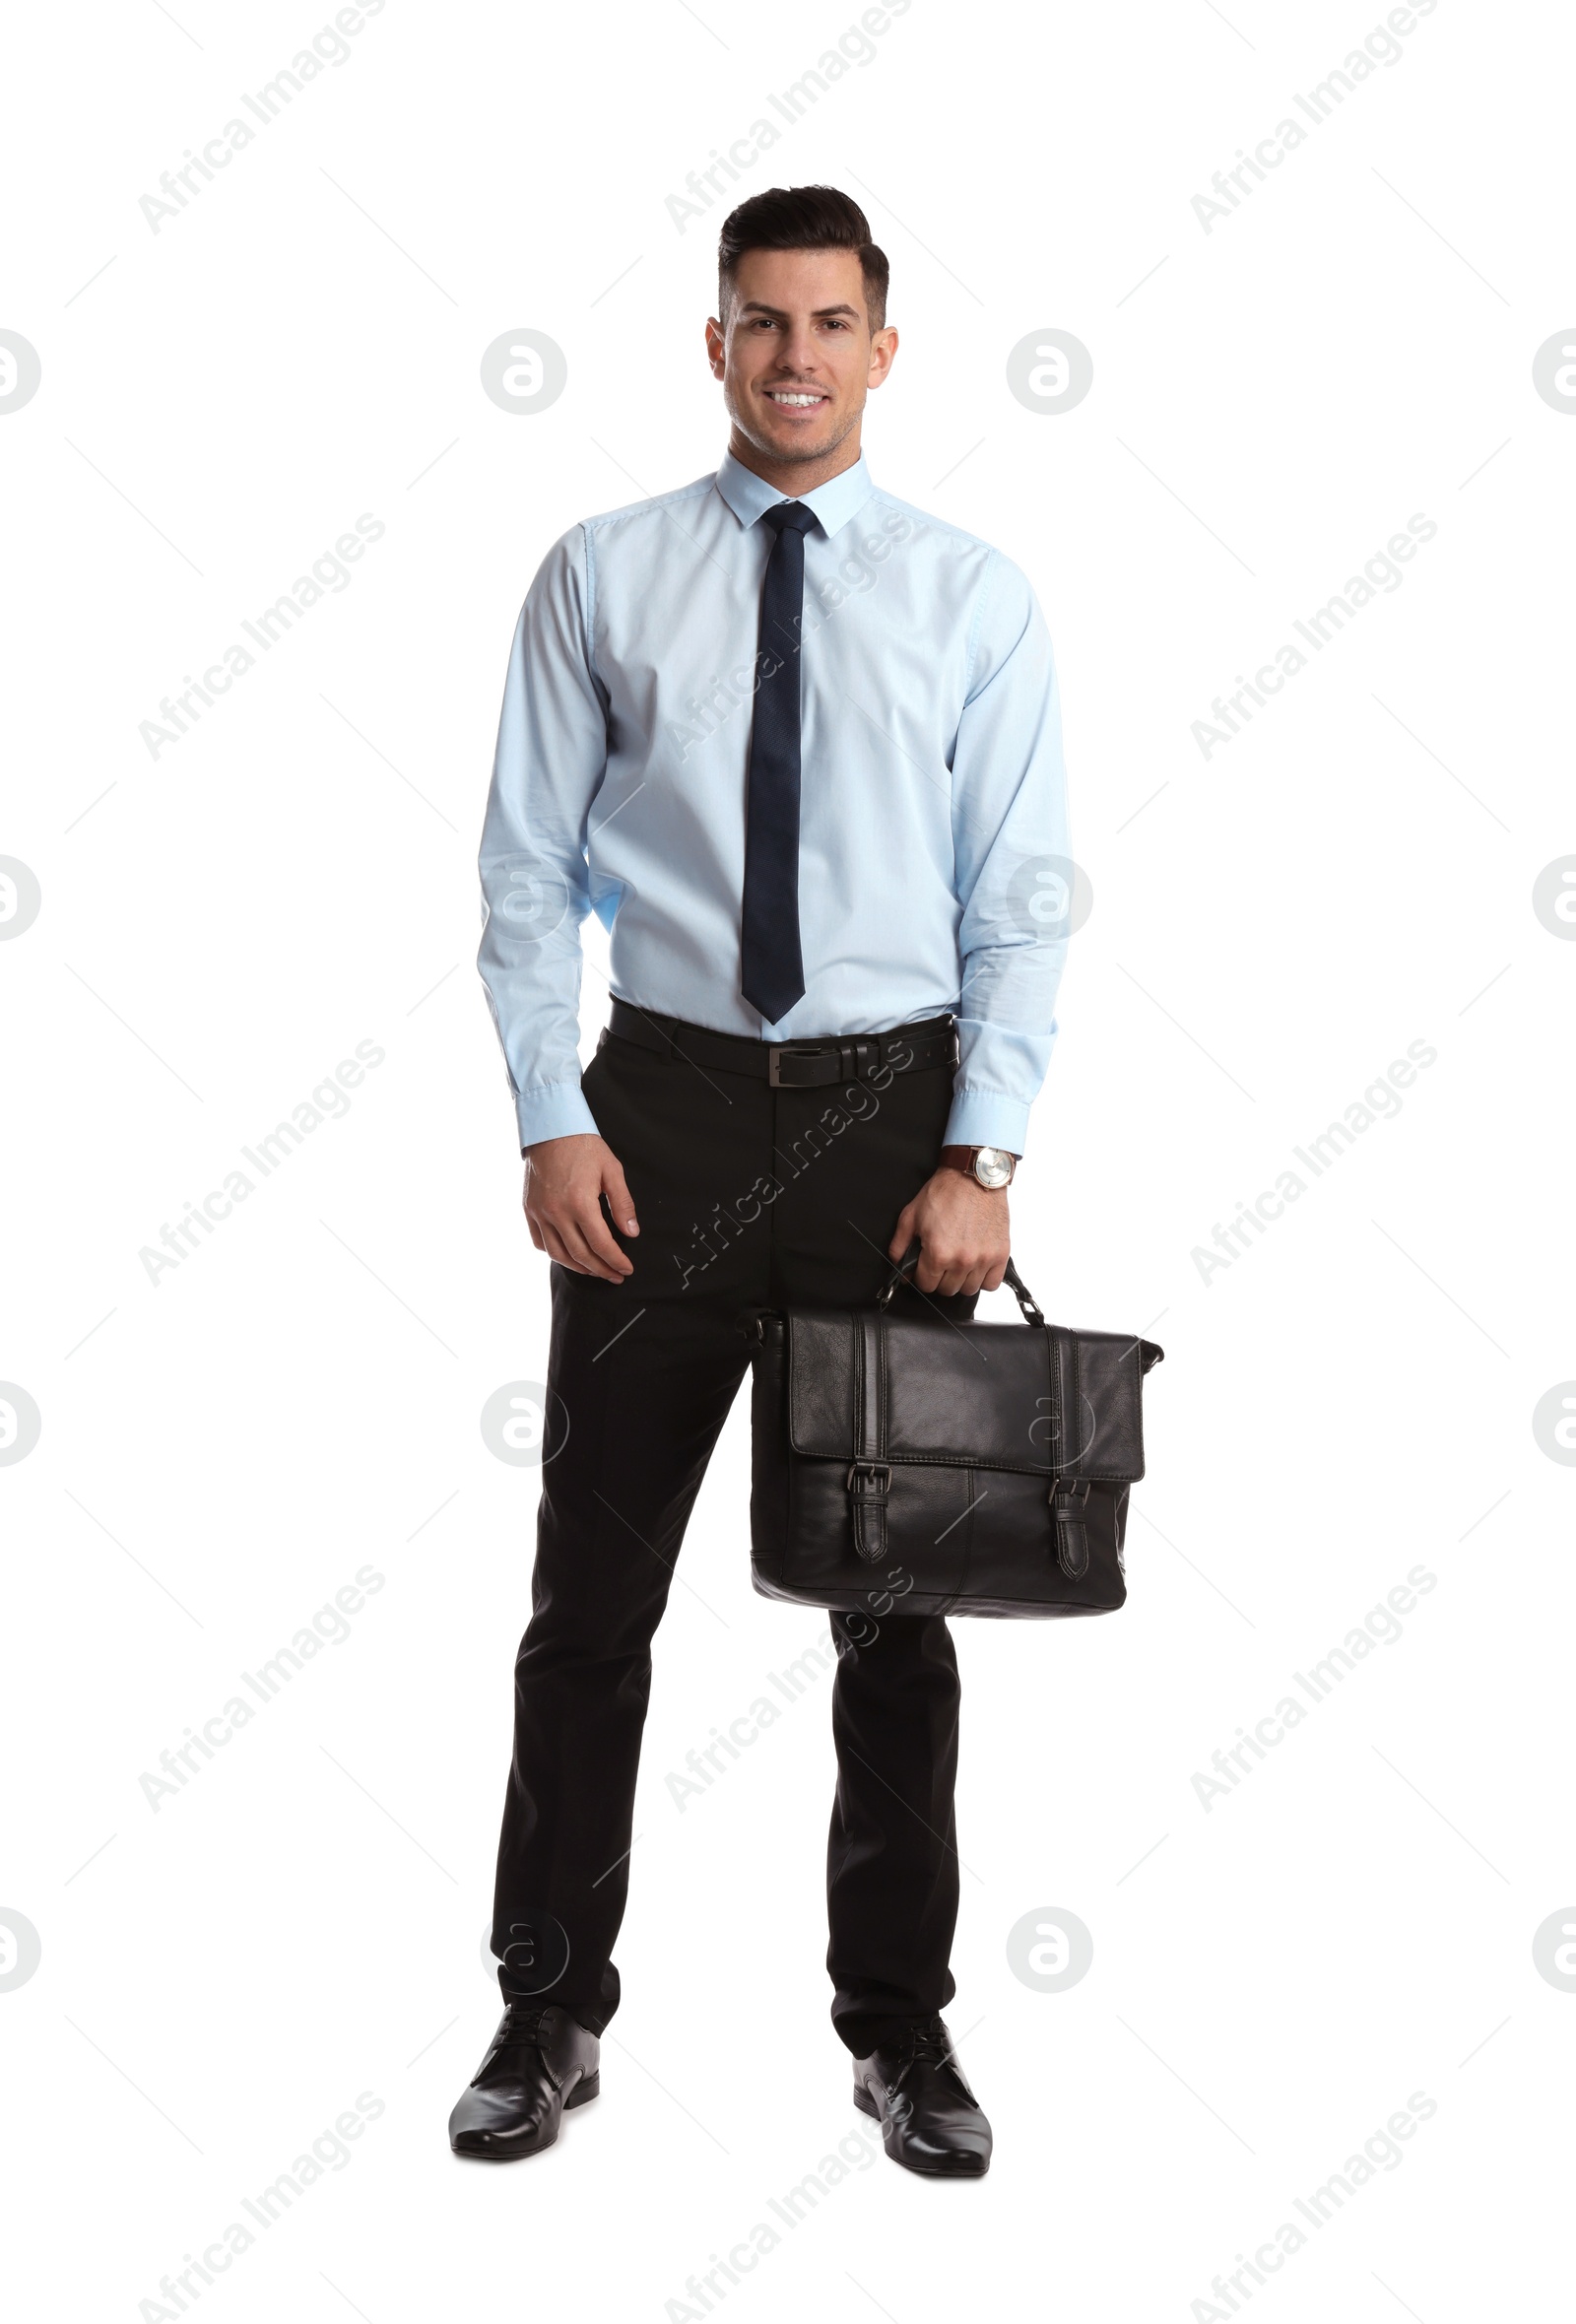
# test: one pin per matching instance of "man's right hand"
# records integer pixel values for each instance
(565, 1180)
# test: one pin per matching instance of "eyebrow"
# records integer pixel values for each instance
(758, 307)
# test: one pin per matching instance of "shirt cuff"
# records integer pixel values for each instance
(553, 1109)
(983, 1117)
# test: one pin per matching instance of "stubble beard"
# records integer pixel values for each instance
(794, 454)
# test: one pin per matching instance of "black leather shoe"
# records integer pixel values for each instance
(929, 2119)
(539, 2062)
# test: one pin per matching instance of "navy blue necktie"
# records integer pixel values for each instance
(771, 966)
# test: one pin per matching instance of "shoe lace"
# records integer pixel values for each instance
(924, 2042)
(521, 2026)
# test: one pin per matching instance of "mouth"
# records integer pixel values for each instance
(797, 399)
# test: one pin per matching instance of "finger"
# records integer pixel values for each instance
(565, 1243)
(579, 1261)
(994, 1276)
(553, 1245)
(929, 1275)
(596, 1253)
(593, 1232)
(620, 1202)
(902, 1234)
(579, 1256)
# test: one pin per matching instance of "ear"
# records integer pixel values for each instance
(716, 347)
(883, 349)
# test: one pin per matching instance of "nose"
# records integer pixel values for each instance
(797, 351)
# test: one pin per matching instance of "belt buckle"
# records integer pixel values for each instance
(774, 1056)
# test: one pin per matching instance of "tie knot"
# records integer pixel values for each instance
(790, 516)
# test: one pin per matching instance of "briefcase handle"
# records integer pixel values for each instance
(1021, 1291)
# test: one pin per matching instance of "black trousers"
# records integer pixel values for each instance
(745, 1196)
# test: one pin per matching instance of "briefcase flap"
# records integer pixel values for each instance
(1051, 1401)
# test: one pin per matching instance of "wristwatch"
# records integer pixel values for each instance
(993, 1167)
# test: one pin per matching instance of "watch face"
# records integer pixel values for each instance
(992, 1167)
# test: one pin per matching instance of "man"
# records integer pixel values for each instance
(797, 745)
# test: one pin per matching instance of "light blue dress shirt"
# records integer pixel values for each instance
(933, 840)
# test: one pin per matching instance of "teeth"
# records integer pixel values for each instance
(778, 396)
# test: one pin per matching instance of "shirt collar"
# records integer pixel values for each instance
(750, 495)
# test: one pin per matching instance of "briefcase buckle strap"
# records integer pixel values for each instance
(869, 1486)
(1069, 1497)
(869, 1480)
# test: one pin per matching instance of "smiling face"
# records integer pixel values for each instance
(797, 358)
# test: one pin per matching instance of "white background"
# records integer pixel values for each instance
(1350, 1398)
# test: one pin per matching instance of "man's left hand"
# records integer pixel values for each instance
(963, 1227)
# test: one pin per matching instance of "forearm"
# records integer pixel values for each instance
(551, 756)
(1015, 875)
(1005, 1032)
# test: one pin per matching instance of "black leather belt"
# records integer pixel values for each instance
(792, 1065)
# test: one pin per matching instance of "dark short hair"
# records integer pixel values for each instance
(803, 218)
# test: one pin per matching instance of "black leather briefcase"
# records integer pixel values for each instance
(906, 1463)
